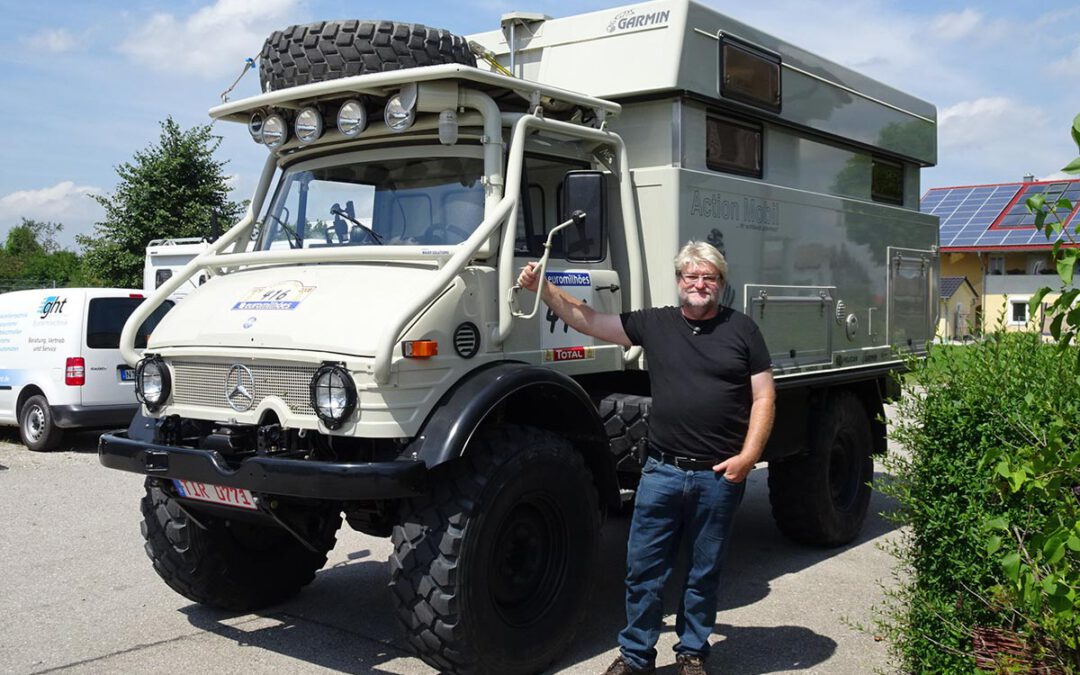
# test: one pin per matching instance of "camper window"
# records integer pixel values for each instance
(749, 74)
(887, 182)
(733, 147)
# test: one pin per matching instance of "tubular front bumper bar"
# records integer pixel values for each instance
(268, 475)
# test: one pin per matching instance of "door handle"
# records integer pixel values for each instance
(610, 287)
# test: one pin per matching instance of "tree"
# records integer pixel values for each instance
(31, 256)
(32, 237)
(169, 189)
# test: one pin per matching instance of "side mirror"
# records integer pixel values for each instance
(584, 191)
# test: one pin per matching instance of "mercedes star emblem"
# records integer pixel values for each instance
(240, 388)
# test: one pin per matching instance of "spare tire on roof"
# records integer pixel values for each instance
(328, 50)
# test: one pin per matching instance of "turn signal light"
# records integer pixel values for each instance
(75, 371)
(420, 349)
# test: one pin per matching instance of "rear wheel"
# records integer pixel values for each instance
(232, 564)
(491, 574)
(37, 429)
(821, 498)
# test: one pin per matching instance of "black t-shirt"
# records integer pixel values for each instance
(700, 381)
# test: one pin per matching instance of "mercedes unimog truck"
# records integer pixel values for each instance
(359, 348)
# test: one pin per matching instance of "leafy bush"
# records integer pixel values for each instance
(984, 427)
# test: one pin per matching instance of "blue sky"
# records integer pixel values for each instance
(85, 84)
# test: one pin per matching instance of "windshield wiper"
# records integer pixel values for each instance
(338, 211)
(293, 237)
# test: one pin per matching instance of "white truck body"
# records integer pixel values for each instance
(167, 257)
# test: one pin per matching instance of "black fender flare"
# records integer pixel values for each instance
(517, 393)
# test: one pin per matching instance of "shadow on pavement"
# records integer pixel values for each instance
(344, 621)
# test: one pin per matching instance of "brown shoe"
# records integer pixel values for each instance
(690, 664)
(620, 667)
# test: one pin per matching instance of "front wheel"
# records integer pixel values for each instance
(37, 429)
(821, 498)
(231, 564)
(491, 573)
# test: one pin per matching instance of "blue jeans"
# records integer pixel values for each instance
(673, 506)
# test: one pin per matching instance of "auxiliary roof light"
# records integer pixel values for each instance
(275, 131)
(352, 118)
(400, 111)
(308, 125)
(255, 126)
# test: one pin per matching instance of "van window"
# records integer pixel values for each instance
(107, 316)
(733, 147)
(887, 182)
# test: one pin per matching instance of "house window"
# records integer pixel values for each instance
(733, 147)
(1018, 311)
(997, 265)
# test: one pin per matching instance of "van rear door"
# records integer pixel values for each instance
(109, 380)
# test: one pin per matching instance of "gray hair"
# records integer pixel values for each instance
(701, 253)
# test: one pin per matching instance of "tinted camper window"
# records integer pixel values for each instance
(106, 319)
(734, 147)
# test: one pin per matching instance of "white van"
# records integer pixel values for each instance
(60, 366)
(166, 257)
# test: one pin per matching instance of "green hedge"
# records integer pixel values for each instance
(982, 481)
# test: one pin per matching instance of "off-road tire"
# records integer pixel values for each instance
(626, 422)
(821, 498)
(37, 428)
(491, 573)
(327, 50)
(232, 564)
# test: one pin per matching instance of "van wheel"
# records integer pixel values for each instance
(231, 564)
(821, 498)
(331, 49)
(491, 573)
(36, 426)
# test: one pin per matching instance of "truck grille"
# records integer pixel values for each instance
(203, 384)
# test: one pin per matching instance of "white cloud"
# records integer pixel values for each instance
(986, 121)
(65, 203)
(1068, 66)
(957, 25)
(211, 42)
(56, 40)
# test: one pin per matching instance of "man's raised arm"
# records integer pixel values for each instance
(577, 314)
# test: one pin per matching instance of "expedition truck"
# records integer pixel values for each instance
(166, 257)
(359, 348)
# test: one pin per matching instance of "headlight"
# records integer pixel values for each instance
(152, 382)
(274, 131)
(308, 125)
(255, 126)
(398, 114)
(333, 395)
(352, 118)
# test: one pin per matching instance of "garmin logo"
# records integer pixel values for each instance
(629, 20)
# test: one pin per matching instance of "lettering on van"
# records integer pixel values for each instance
(749, 213)
(630, 19)
(569, 278)
(284, 296)
(40, 344)
(53, 304)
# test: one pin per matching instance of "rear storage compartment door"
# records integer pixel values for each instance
(912, 310)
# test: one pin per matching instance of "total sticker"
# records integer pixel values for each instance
(283, 296)
(569, 354)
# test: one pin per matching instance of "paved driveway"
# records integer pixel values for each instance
(78, 595)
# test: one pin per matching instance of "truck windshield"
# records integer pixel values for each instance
(404, 202)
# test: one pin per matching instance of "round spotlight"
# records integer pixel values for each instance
(399, 116)
(275, 132)
(333, 395)
(255, 126)
(152, 382)
(308, 125)
(352, 118)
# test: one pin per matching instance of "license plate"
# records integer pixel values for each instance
(215, 494)
(127, 374)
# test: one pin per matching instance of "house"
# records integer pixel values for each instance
(988, 239)
(959, 311)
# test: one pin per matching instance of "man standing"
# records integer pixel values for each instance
(713, 406)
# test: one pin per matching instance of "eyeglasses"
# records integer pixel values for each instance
(709, 279)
